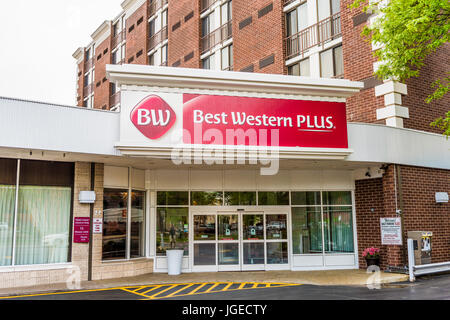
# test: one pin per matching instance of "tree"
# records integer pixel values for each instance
(410, 30)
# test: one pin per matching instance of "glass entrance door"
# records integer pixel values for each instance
(253, 239)
(234, 241)
(204, 241)
(228, 242)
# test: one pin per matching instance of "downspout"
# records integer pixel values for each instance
(91, 225)
(399, 207)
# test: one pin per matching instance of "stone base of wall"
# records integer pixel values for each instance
(122, 269)
(16, 279)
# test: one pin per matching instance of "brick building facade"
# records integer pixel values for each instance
(298, 38)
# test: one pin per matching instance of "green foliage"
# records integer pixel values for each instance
(409, 30)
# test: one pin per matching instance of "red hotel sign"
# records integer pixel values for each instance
(230, 120)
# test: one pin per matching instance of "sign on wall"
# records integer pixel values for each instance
(81, 228)
(248, 121)
(98, 225)
(391, 231)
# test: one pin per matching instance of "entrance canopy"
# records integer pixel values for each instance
(217, 101)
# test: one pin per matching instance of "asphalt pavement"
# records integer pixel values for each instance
(435, 287)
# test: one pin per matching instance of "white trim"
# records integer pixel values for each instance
(184, 78)
(38, 267)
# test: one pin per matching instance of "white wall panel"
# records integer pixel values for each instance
(281, 181)
(116, 177)
(307, 261)
(171, 179)
(337, 180)
(138, 178)
(207, 179)
(306, 180)
(240, 180)
(340, 260)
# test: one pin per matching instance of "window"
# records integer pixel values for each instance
(164, 55)
(172, 221)
(208, 24)
(322, 222)
(300, 69)
(331, 63)
(227, 58)
(327, 8)
(43, 214)
(117, 221)
(159, 57)
(137, 246)
(240, 198)
(152, 28)
(115, 213)
(226, 11)
(273, 198)
(209, 62)
(208, 198)
(297, 20)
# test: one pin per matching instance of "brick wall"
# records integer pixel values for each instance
(416, 188)
(137, 38)
(185, 38)
(421, 114)
(358, 66)
(260, 39)
(80, 83)
(101, 84)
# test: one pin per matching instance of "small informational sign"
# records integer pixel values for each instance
(98, 225)
(391, 231)
(81, 230)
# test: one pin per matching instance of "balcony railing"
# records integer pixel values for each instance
(157, 38)
(114, 99)
(217, 36)
(88, 90)
(205, 4)
(119, 38)
(315, 35)
(154, 6)
(88, 64)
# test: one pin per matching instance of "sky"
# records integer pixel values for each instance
(37, 40)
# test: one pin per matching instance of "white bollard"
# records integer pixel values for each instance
(411, 260)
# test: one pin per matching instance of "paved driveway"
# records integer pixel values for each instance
(426, 288)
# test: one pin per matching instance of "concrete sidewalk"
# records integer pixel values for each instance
(322, 278)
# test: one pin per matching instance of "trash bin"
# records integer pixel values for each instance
(174, 261)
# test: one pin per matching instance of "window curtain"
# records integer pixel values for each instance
(7, 201)
(339, 229)
(43, 223)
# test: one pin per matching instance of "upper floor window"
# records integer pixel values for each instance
(300, 69)
(208, 24)
(209, 62)
(226, 11)
(328, 8)
(332, 63)
(297, 19)
(227, 58)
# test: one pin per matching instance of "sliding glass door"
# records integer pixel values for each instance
(235, 241)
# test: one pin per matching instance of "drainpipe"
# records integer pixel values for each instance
(399, 208)
(91, 225)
